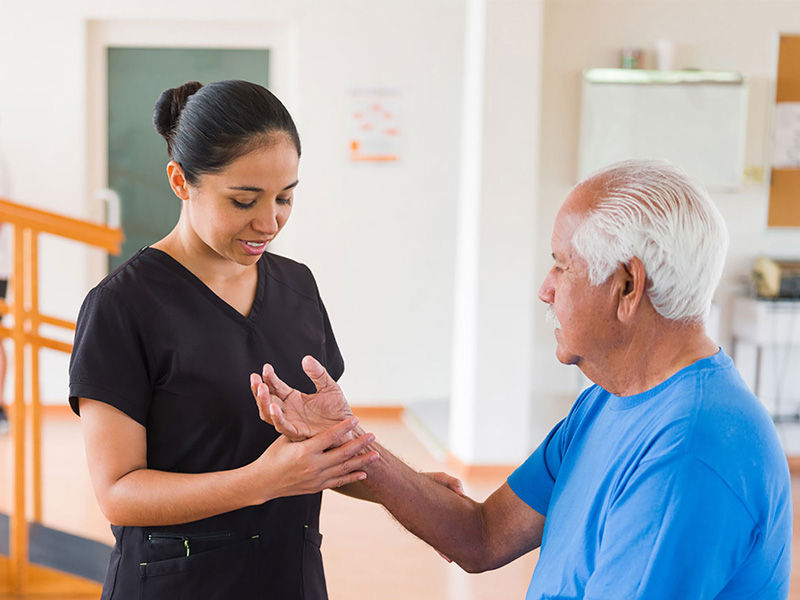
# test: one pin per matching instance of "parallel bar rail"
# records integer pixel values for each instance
(27, 223)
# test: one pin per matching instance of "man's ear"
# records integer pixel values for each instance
(632, 289)
(177, 180)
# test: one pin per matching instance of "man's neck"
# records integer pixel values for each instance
(652, 355)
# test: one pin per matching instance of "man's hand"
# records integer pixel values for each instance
(296, 415)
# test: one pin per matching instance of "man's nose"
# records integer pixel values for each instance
(547, 291)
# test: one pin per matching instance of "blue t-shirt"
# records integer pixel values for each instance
(680, 492)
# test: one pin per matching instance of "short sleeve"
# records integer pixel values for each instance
(534, 479)
(675, 530)
(108, 361)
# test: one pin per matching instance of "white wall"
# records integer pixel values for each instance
(710, 34)
(380, 238)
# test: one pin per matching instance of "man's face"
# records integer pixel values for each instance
(585, 314)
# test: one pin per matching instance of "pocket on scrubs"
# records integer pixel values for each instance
(313, 574)
(225, 572)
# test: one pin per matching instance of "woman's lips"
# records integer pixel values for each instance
(254, 247)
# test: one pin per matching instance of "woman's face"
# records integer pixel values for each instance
(235, 213)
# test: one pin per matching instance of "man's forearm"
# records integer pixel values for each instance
(447, 521)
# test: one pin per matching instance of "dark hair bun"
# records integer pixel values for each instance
(219, 123)
(169, 106)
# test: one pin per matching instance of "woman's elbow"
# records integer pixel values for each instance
(112, 510)
(114, 506)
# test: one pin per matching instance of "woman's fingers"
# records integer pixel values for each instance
(339, 481)
(444, 556)
(447, 481)
(352, 455)
(342, 472)
(334, 436)
(331, 468)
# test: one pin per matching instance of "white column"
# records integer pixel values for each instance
(495, 292)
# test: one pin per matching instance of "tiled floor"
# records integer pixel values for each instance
(367, 554)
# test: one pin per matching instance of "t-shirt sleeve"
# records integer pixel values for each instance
(108, 361)
(534, 479)
(675, 530)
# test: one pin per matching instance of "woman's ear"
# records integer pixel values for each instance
(632, 290)
(177, 180)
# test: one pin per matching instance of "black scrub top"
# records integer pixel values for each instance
(155, 342)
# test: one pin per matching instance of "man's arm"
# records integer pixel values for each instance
(477, 536)
(359, 491)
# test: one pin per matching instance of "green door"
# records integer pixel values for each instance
(137, 155)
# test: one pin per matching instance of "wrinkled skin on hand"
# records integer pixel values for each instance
(296, 415)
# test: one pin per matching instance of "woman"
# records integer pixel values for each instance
(206, 500)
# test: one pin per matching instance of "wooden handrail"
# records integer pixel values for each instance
(27, 223)
(43, 319)
(41, 221)
(40, 342)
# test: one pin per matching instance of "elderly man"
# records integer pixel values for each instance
(666, 479)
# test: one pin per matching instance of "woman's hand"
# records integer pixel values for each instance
(323, 461)
(296, 415)
(448, 481)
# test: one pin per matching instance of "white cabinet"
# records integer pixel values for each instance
(766, 338)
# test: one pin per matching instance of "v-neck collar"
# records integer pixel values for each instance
(261, 271)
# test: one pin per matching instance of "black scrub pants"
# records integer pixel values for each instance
(221, 558)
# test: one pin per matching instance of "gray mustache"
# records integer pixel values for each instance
(550, 315)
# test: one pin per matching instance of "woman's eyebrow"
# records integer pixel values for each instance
(252, 188)
(245, 188)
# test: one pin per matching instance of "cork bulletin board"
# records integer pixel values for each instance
(784, 189)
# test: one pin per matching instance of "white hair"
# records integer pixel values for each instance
(654, 211)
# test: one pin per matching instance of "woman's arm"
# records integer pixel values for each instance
(131, 494)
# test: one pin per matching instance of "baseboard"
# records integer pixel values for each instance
(379, 412)
(494, 472)
(363, 412)
(794, 464)
(48, 410)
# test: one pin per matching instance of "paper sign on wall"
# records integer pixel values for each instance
(787, 136)
(374, 125)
